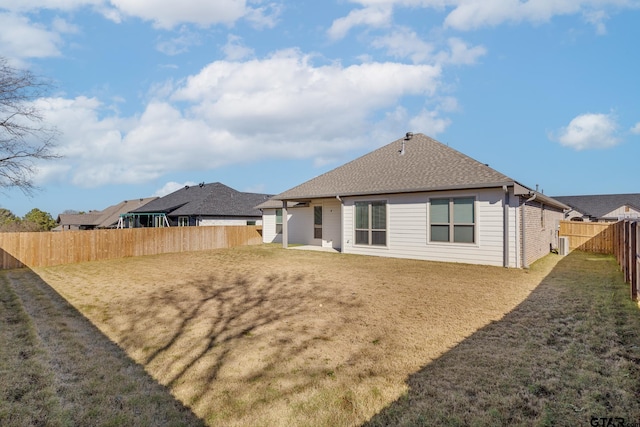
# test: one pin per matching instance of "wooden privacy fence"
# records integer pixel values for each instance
(54, 248)
(597, 237)
(627, 252)
(621, 239)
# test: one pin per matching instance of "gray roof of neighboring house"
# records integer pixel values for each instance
(426, 165)
(105, 218)
(214, 199)
(92, 218)
(111, 215)
(598, 205)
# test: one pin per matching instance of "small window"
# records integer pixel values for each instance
(317, 222)
(371, 223)
(452, 220)
(251, 223)
(278, 221)
(183, 221)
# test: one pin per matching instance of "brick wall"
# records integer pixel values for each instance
(541, 223)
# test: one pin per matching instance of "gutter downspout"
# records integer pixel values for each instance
(341, 223)
(285, 225)
(505, 228)
(524, 232)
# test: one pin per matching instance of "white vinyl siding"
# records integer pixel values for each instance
(407, 231)
(301, 225)
(204, 221)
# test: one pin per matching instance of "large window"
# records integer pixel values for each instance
(183, 221)
(371, 223)
(453, 220)
(317, 222)
(278, 221)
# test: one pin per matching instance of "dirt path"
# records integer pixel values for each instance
(95, 382)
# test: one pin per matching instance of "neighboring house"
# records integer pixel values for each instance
(602, 207)
(107, 218)
(417, 198)
(199, 205)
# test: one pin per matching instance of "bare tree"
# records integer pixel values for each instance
(24, 137)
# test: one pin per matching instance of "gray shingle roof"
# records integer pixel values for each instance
(426, 165)
(598, 205)
(214, 199)
(105, 218)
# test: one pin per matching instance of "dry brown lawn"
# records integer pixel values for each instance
(266, 336)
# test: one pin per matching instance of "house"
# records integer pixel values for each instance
(107, 218)
(602, 207)
(198, 205)
(417, 198)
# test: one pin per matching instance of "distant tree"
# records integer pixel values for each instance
(70, 212)
(24, 138)
(6, 217)
(42, 220)
(11, 223)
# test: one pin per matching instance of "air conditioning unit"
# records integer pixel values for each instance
(563, 246)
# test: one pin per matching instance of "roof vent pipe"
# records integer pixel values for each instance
(407, 137)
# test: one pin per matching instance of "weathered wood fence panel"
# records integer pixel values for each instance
(54, 248)
(597, 237)
(627, 253)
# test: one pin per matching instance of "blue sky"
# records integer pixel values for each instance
(151, 95)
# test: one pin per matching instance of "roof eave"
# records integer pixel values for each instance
(402, 191)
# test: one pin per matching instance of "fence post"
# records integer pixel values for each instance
(625, 253)
(633, 259)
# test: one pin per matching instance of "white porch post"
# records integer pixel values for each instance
(285, 227)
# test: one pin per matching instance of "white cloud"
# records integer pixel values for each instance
(588, 131)
(30, 5)
(169, 13)
(286, 91)
(375, 16)
(180, 43)
(172, 186)
(468, 15)
(405, 43)
(63, 26)
(429, 122)
(461, 54)
(164, 14)
(636, 129)
(235, 50)
(231, 112)
(20, 38)
(597, 18)
(264, 16)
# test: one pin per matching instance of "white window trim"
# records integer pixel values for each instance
(321, 225)
(275, 214)
(475, 242)
(386, 236)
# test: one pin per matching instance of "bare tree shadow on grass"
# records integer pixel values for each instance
(93, 381)
(224, 343)
(569, 352)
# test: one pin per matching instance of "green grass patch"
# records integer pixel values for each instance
(27, 394)
(567, 354)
